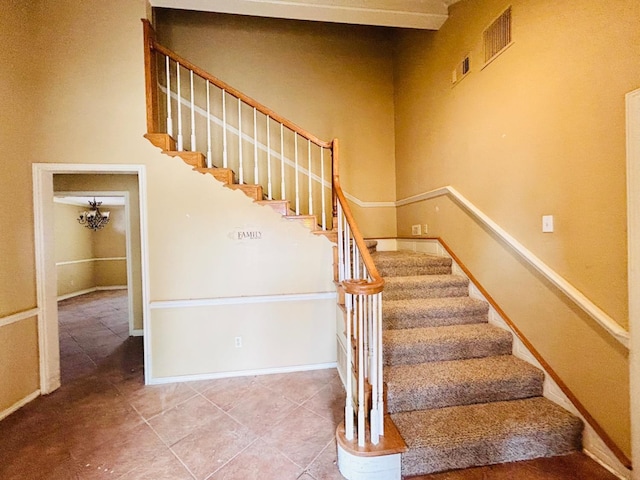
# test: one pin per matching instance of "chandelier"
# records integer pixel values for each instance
(94, 218)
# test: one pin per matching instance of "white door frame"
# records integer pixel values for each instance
(45, 260)
(633, 225)
(127, 233)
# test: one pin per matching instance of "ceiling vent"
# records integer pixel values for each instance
(497, 36)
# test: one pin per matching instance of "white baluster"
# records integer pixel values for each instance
(256, 177)
(361, 412)
(295, 146)
(209, 156)
(169, 119)
(193, 115)
(283, 187)
(240, 169)
(373, 376)
(268, 159)
(224, 130)
(310, 187)
(348, 407)
(324, 208)
(379, 367)
(180, 141)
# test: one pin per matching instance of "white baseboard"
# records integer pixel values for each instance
(242, 373)
(77, 293)
(19, 404)
(90, 290)
(137, 332)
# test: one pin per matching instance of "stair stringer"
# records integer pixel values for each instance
(593, 445)
(222, 266)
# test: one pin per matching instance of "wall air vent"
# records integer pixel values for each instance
(461, 70)
(497, 36)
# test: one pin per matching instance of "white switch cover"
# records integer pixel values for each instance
(547, 223)
(416, 230)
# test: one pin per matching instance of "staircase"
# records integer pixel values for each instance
(450, 394)
(454, 391)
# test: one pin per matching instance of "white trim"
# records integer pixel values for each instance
(45, 265)
(138, 332)
(605, 321)
(633, 262)
(19, 404)
(17, 317)
(209, 302)
(77, 293)
(86, 260)
(428, 15)
(364, 204)
(242, 373)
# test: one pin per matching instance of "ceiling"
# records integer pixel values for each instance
(419, 14)
(82, 201)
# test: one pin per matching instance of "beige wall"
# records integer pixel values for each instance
(18, 341)
(332, 80)
(75, 243)
(538, 131)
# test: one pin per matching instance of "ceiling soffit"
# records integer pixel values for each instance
(419, 14)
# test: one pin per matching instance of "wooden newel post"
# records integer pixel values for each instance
(150, 77)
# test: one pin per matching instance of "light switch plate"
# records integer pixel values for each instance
(547, 223)
(416, 230)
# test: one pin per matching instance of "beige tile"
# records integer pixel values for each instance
(163, 467)
(208, 448)
(113, 459)
(301, 436)
(329, 402)
(299, 386)
(176, 423)
(325, 465)
(226, 392)
(261, 409)
(259, 462)
(150, 400)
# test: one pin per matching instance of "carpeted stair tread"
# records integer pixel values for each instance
(460, 382)
(425, 286)
(433, 344)
(406, 263)
(483, 434)
(433, 312)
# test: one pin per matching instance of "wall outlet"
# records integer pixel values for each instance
(416, 230)
(238, 341)
(425, 228)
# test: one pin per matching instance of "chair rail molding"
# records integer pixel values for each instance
(603, 319)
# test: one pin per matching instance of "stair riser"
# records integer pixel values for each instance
(406, 354)
(423, 461)
(418, 321)
(434, 291)
(451, 395)
(412, 270)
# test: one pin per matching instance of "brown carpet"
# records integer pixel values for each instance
(455, 392)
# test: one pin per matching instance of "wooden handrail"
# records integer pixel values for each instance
(356, 286)
(154, 45)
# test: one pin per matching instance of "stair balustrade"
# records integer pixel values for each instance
(207, 105)
(184, 100)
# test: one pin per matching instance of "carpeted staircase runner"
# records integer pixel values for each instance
(455, 392)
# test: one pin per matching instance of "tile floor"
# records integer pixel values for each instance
(104, 423)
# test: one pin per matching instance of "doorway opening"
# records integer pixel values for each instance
(128, 294)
